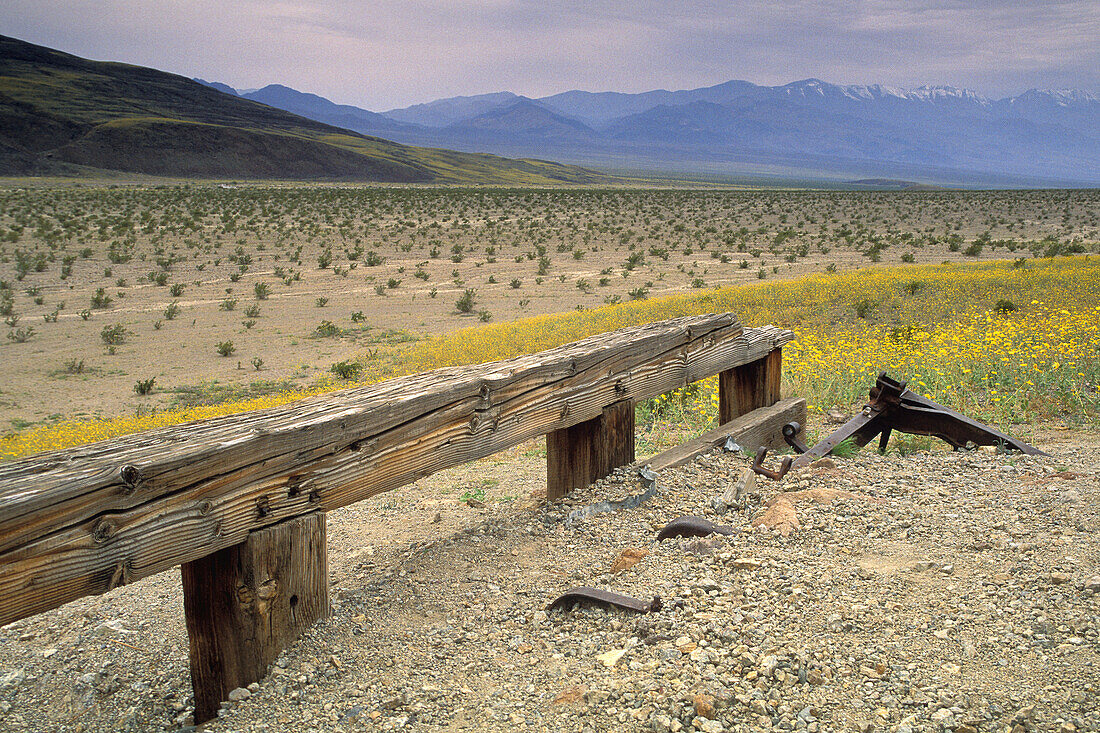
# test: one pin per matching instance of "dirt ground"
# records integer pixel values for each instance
(934, 591)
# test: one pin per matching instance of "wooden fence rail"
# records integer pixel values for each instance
(85, 520)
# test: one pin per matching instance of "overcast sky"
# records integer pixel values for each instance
(381, 54)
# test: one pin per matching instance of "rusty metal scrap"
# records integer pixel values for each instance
(893, 406)
(690, 526)
(584, 594)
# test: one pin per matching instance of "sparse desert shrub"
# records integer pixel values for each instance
(1004, 307)
(113, 335)
(347, 370)
(252, 311)
(327, 329)
(74, 366)
(465, 303)
(225, 348)
(21, 335)
(101, 299)
(171, 310)
(261, 290)
(321, 302)
(484, 316)
(357, 317)
(144, 386)
(864, 307)
(84, 314)
(176, 290)
(228, 304)
(257, 363)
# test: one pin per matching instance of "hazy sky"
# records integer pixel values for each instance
(381, 54)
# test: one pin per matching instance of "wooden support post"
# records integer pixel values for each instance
(579, 455)
(248, 602)
(745, 388)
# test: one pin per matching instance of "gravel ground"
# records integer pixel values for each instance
(938, 591)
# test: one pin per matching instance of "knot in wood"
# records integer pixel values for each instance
(263, 507)
(205, 507)
(485, 391)
(245, 596)
(268, 589)
(131, 477)
(620, 387)
(103, 531)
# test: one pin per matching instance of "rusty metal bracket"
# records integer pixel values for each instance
(790, 434)
(690, 526)
(584, 594)
(774, 475)
(893, 406)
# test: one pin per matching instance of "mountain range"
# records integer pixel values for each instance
(807, 128)
(65, 115)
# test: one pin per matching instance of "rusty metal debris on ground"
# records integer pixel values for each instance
(690, 526)
(584, 594)
(649, 480)
(894, 406)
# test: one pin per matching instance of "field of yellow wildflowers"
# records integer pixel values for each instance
(1004, 341)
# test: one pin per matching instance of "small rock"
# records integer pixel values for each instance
(745, 563)
(660, 724)
(628, 558)
(13, 678)
(708, 726)
(823, 463)
(704, 705)
(1093, 584)
(611, 658)
(239, 694)
(570, 696)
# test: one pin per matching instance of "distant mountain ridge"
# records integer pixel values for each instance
(932, 133)
(65, 115)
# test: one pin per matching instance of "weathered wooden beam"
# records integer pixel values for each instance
(246, 603)
(761, 427)
(746, 387)
(85, 520)
(583, 453)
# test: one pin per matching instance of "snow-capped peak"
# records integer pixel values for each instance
(943, 93)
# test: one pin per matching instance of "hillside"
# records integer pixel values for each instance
(61, 114)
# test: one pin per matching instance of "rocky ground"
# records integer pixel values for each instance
(935, 591)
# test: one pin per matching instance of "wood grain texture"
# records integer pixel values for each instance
(761, 427)
(583, 453)
(88, 519)
(246, 603)
(747, 387)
